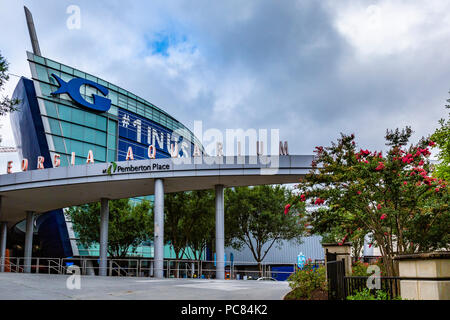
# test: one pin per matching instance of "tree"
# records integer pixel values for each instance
(391, 197)
(175, 224)
(6, 104)
(258, 218)
(202, 213)
(189, 221)
(129, 225)
(441, 137)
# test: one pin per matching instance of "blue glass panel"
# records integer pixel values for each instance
(64, 112)
(50, 107)
(54, 126)
(101, 123)
(78, 115)
(77, 147)
(90, 119)
(100, 138)
(66, 129)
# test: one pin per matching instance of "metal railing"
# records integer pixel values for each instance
(145, 267)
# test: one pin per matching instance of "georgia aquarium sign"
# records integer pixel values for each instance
(72, 88)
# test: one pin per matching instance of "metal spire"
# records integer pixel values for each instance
(32, 32)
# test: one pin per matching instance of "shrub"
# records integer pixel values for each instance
(306, 280)
(366, 294)
(359, 269)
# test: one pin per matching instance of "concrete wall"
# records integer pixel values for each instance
(430, 265)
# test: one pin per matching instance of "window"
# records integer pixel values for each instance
(111, 155)
(39, 59)
(66, 129)
(100, 138)
(59, 144)
(41, 73)
(123, 101)
(54, 126)
(79, 74)
(77, 115)
(112, 127)
(50, 108)
(77, 132)
(67, 69)
(113, 110)
(101, 122)
(89, 135)
(64, 112)
(77, 147)
(53, 64)
(113, 97)
(92, 78)
(99, 153)
(90, 120)
(111, 142)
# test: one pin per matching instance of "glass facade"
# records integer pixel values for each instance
(70, 127)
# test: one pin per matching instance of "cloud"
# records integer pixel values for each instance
(312, 69)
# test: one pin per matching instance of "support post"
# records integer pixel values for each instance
(3, 231)
(28, 242)
(220, 233)
(104, 220)
(159, 229)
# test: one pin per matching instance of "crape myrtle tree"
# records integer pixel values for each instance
(392, 197)
(442, 139)
(258, 217)
(130, 224)
(6, 104)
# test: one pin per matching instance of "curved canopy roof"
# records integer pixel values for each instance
(48, 189)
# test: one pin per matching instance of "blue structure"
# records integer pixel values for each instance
(67, 114)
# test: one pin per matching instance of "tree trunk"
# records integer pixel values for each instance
(260, 268)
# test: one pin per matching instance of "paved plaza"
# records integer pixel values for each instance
(18, 286)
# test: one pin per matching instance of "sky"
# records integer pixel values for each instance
(311, 69)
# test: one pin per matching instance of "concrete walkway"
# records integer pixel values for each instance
(18, 286)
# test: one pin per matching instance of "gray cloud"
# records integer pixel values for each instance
(310, 68)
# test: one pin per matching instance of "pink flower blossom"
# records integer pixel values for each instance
(287, 208)
(380, 166)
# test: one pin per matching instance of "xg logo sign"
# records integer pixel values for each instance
(72, 88)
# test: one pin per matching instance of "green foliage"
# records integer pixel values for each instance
(442, 139)
(366, 294)
(305, 281)
(129, 225)
(392, 197)
(203, 216)
(256, 217)
(189, 221)
(6, 104)
(359, 269)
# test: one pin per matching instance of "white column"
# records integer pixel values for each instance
(220, 233)
(159, 229)
(104, 220)
(28, 242)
